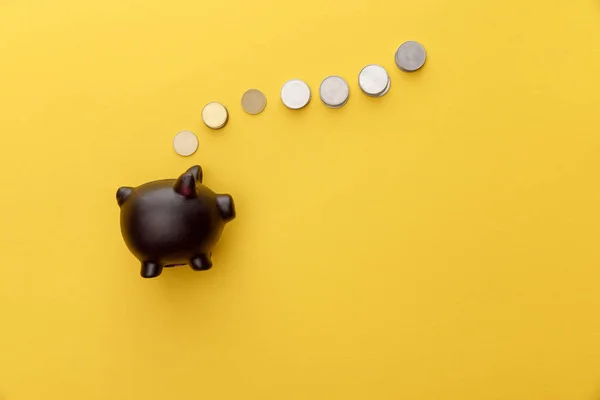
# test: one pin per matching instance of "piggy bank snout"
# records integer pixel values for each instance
(226, 207)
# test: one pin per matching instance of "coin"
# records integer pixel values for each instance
(373, 80)
(387, 88)
(215, 115)
(295, 94)
(410, 56)
(185, 143)
(254, 101)
(334, 91)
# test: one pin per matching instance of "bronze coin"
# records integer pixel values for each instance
(254, 101)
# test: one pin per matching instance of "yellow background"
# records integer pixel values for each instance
(441, 242)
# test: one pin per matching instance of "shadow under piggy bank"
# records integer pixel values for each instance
(173, 222)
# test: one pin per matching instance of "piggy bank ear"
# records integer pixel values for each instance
(196, 170)
(123, 193)
(186, 185)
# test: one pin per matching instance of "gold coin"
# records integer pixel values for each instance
(215, 115)
(185, 143)
(254, 101)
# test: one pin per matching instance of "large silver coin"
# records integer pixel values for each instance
(295, 94)
(373, 80)
(410, 56)
(387, 89)
(334, 91)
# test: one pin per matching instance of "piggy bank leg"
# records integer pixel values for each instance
(151, 269)
(201, 263)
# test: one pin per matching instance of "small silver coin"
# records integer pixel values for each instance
(410, 56)
(334, 92)
(295, 94)
(373, 80)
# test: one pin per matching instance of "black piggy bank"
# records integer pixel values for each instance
(173, 222)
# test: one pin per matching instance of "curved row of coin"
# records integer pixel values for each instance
(334, 91)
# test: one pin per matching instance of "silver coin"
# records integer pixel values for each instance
(373, 80)
(387, 89)
(410, 56)
(295, 94)
(334, 91)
